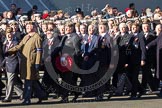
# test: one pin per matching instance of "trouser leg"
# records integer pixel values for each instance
(10, 84)
(28, 90)
(38, 91)
(135, 81)
(120, 84)
(18, 86)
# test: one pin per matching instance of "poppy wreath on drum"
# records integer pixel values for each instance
(64, 67)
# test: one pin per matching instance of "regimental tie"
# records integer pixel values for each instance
(49, 42)
(89, 39)
(49, 46)
(146, 36)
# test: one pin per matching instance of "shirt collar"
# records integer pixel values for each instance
(103, 34)
(122, 34)
(135, 34)
(146, 34)
(51, 39)
(68, 35)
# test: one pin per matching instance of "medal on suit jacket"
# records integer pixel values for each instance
(103, 44)
(50, 43)
(136, 42)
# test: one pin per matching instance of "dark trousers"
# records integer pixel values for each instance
(119, 70)
(133, 73)
(75, 82)
(100, 74)
(33, 86)
(2, 85)
(147, 77)
(67, 78)
(115, 79)
(48, 84)
(123, 81)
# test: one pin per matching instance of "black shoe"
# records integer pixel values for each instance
(118, 94)
(127, 93)
(110, 95)
(75, 98)
(56, 96)
(6, 100)
(41, 99)
(133, 98)
(25, 102)
(160, 95)
(99, 98)
(64, 100)
(140, 94)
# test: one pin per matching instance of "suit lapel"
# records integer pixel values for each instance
(12, 44)
(4, 48)
(45, 43)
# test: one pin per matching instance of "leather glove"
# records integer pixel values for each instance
(37, 67)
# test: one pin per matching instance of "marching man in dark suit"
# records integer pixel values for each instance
(158, 42)
(136, 59)
(123, 42)
(104, 57)
(147, 77)
(49, 44)
(11, 63)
